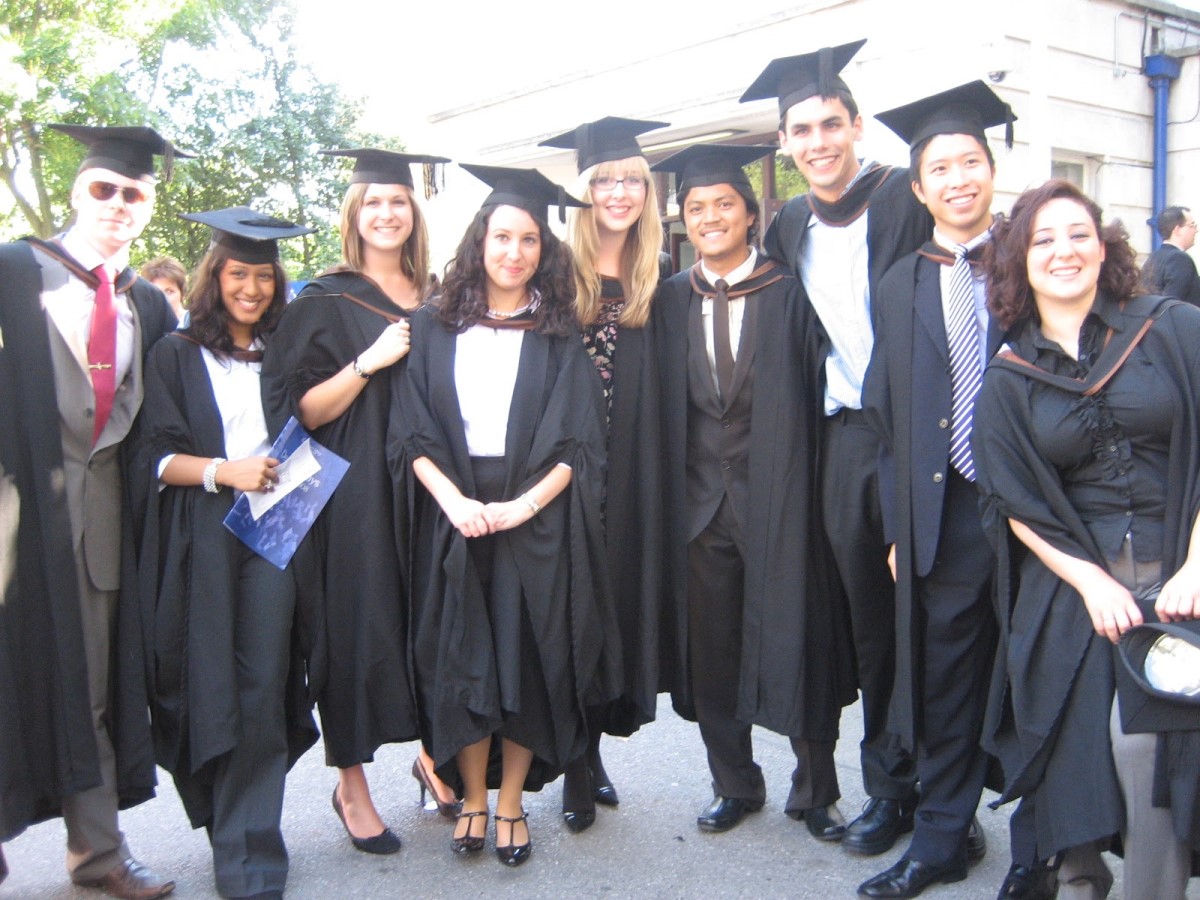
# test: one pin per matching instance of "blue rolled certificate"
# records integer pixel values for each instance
(273, 524)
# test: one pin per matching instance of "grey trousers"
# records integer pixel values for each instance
(1157, 864)
(95, 845)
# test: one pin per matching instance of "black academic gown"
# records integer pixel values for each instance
(633, 526)
(548, 595)
(907, 394)
(360, 674)
(188, 585)
(47, 751)
(793, 678)
(1048, 711)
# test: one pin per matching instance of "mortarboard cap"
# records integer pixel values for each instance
(701, 165)
(373, 166)
(603, 140)
(249, 235)
(527, 189)
(1159, 652)
(796, 78)
(970, 108)
(128, 151)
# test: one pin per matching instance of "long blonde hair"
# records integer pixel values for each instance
(639, 256)
(414, 256)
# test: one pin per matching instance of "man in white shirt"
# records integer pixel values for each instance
(75, 323)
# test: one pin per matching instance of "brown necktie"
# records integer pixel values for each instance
(722, 348)
(102, 351)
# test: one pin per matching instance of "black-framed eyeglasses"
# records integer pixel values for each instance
(607, 183)
(106, 190)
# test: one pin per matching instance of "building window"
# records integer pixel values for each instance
(1074, 168)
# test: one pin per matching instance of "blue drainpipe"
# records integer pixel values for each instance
(1161, 70)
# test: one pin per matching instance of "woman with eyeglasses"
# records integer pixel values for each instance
(331, 367)
(229, 710)
(499, 419)
(617, 243)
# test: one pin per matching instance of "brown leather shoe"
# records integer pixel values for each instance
(132, 881)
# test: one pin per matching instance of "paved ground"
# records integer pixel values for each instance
(649, 847)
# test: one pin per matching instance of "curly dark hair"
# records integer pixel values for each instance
(463, 301)
(209, 319)
(1010, 297)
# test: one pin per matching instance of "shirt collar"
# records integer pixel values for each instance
(949, 245)
(741, 273)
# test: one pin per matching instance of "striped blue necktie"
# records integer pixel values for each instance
(966, 370)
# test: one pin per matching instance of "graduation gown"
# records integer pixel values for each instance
(1048, 709)
(360, 672)
(188, 585)
(47, 749)
(547, 596)
(633, 523)
(793, 680)
(907, 394)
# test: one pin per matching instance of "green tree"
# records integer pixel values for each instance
(219, 78)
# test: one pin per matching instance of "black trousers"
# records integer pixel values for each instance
(716, 590)
(956, 636)
(854, 525)
(249, 855)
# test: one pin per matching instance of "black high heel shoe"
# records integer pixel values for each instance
(579, 806)
(602, 787)
(468, 843)
(446, 810)
(513, 854)
(381, 844)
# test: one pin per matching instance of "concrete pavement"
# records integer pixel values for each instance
(648, 847)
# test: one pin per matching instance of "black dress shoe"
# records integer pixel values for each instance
(976, 841)
(383, 843)
(909, 877)
(881, 823)
(724, 813)
(578, 804)
(825, 823)
(1024, 883)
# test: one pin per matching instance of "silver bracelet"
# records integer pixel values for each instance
(210, 475)
(358, 370)
(531, 503)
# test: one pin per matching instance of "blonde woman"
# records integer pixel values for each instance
(617, 243)
(329, 368)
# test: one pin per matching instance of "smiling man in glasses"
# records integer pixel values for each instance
(75, 323)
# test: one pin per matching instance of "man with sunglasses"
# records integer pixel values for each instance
(75, 324)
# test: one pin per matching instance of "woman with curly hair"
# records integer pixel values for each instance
(221, 645)
(499, 418)
(329, 368)
(617, 244)
(1087, 446)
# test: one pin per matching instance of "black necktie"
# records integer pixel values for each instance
(722, 349)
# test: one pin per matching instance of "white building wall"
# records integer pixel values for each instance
(1071, 69)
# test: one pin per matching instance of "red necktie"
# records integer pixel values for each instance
(102, 350)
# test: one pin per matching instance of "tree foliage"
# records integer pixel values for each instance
(219, 78)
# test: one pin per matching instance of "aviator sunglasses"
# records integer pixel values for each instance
(106, 190)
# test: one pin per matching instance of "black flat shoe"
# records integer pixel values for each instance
(976, 841)
(513, 854)
(908, 878)
(446, 810)
(1025, 883)
(725, 813)
(881, 823)
(825, 823)
(469, 843)
(381, 844)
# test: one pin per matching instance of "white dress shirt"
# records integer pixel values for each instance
(737, 310)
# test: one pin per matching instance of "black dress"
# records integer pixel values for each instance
(624, 360)
(526, 657)
(360, 667)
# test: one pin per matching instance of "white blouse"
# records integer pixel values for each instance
(486, 360)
